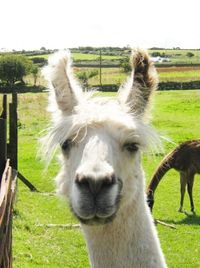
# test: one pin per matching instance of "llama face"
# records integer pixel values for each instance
(100, 166)
(100, 140)
(95, 185)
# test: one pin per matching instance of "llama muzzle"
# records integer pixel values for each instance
(97, 200)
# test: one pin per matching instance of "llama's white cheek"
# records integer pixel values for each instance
(63, 179)
(62, 184)
(131, 183)
(82, 204)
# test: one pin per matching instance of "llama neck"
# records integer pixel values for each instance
(165, 165)
(129, 241)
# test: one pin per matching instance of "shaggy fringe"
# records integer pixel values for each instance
(75, 129)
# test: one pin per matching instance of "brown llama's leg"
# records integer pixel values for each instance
(183, 181)
(190, 183)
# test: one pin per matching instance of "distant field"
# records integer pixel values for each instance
(180, 55)
(81, 56)
(109, 75)
(84, 56)
(180, 74)
(175, 116)
(117, 76)
(45, 56)
(176, 56)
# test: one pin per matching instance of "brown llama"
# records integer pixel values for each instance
(185, 158)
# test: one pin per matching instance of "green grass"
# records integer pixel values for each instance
(182, 76)
(117, 76)
(176, 116)
(93, 57)
(45, 56)
(109, 76)
(83, 57)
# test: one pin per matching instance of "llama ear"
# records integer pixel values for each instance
(66, 89)
(137, 91)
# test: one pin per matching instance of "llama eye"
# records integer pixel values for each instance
(66, 145)
(131, 147)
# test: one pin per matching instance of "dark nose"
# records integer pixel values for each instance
(95, 185)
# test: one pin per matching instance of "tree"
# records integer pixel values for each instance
(41, 61)
(13, 68)
(34, 72)
(85, 76)
(189, 54)
(125, 64)
(156, 54)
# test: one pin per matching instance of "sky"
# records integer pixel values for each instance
(59, 24)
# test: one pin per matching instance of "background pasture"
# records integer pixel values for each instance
(117, 75)
(175, 116)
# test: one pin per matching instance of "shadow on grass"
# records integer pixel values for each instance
(190, 219)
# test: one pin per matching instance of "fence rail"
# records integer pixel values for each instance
(8, 177)
(7, 194)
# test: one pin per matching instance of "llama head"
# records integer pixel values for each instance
(100, 139)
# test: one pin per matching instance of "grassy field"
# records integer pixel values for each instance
(84, 57)
(179, 74)
(176, 56)
(117, 76)
(176, 116)
(180, 55)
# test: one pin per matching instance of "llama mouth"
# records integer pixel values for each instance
(96, 220)
(96, 216)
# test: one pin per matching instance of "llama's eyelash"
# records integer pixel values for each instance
(131, 147)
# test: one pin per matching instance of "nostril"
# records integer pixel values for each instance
(82, 181)
(109, 180)
(87, 183)
(95, 185)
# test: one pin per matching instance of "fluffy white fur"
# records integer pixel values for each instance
(98, 130)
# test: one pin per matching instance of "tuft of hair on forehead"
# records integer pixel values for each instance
(117, 123)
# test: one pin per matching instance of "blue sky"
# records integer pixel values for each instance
(31, 24)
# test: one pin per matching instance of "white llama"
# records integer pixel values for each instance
(101, 141)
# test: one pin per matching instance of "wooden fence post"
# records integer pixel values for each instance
(13, 132)
(3, 137)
